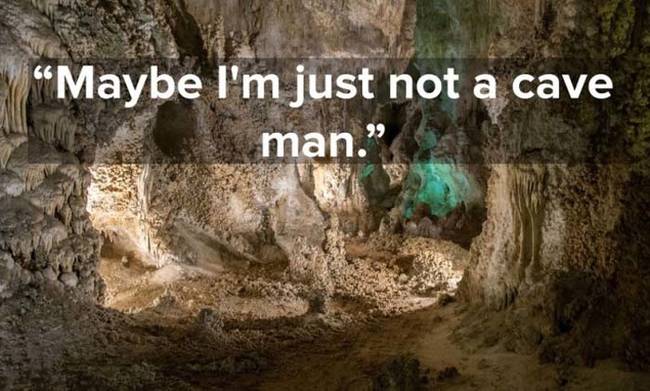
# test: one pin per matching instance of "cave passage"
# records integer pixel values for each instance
(481, 247)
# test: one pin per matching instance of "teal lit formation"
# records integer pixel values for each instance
(447, 32)
(437, 186)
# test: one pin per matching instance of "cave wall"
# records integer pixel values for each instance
(46, 145)
(218, 216)
(212, 216)
(560, 252)
(45, 231)
(563, 245)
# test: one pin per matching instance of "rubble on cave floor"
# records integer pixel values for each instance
(174, 317)
(382, 274)
(179, 328)
(71, 344)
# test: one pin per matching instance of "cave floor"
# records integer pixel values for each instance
(447, 360)
(65, 345)
(179, 328)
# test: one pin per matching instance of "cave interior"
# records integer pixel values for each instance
(498, 244)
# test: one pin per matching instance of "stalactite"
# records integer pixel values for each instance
(65, 215)
(13, 116)
(8, 144)
(43, 91)
(34, 177)
(49, 7)
(51, 195)
(21, 226)
(31, 38)
(526, 195)
(4, 93)
(75, 172)
(34, 161)
(144, 186)
(46, 7)
(6, 148)
(53, 125)
(52, 233)
(46, 202)
(78, 227)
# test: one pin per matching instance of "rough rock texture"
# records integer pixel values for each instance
(217, 216)
(559, 250)
(562, 253)
(46, 236)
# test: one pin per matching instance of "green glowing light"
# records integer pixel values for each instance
(440, 187)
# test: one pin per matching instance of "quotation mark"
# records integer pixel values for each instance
(376, 130)
(40, 74)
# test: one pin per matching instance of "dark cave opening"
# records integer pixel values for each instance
(174, 128)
